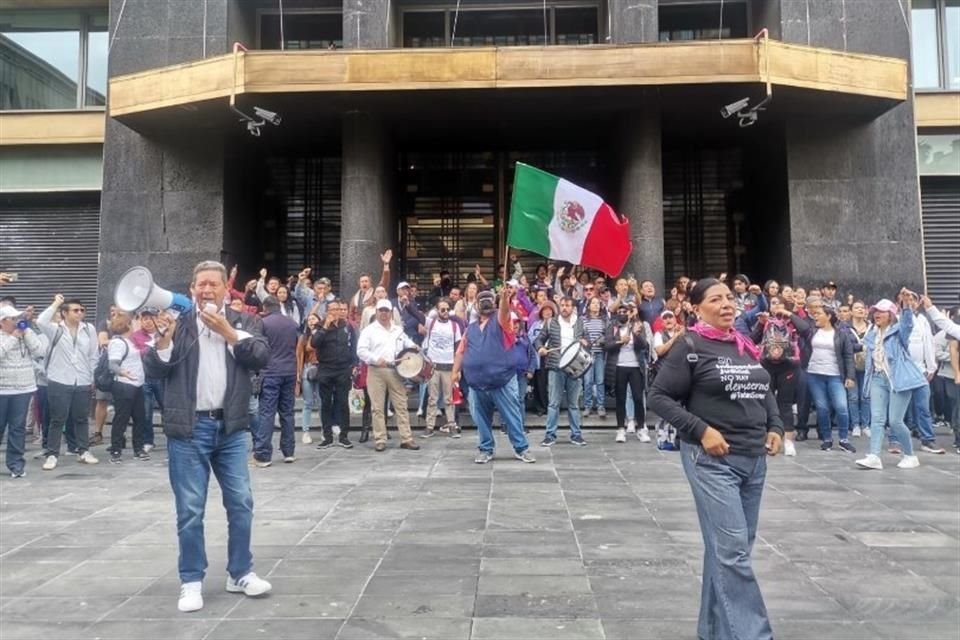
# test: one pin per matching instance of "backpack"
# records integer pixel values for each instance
(779, 343)
(103, 378)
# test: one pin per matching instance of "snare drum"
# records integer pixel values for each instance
(413, 366)
(575, 360)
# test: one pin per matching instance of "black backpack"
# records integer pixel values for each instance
(103, 378)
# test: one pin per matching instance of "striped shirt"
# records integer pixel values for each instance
(593, 329)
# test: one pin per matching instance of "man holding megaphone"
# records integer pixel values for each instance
(205, 358)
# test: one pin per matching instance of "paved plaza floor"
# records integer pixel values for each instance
(595, 542)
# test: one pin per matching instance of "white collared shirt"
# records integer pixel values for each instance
(377, 342)
(212, 364)
(74, 357)
(566, 331)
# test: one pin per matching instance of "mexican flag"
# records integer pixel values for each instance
(557, 219)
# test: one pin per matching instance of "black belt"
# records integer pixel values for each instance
(443, 367)
(213, 414)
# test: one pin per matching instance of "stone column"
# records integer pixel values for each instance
(634, 21)
(366, 24)
(641, 190)
(367, 221)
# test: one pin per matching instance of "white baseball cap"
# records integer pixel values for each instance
(6, 311)
(384, 304)
(403, 284)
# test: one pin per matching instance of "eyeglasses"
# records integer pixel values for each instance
(588, 288)
(443, 310)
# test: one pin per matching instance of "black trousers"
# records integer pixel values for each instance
(334, 392)
(68, 402)
(783, 383)
(128, 403)
(540, 397)
(634, 377)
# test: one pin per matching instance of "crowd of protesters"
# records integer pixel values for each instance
(858, 369)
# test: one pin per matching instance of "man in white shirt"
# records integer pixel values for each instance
(205, 360)
(443, 335)
(379, 345)
(70, 364)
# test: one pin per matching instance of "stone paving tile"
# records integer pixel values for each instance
(600, 542)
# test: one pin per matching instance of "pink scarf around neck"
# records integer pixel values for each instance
(731, 335)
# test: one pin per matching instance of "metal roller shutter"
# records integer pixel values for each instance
(52, 243)
(940, 200)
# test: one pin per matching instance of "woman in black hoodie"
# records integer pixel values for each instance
(713, 389)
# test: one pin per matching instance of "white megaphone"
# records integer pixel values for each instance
(136, 290)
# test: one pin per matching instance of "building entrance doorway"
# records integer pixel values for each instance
(454, 206)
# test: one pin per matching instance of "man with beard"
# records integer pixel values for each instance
(337, 341)
(484, 355)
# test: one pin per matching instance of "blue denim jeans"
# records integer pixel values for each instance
(189, 468)
(920, 413)
(276, 396)
(727, 491)
(888, 407)
(859, 405)
(828, 392)
(311, 402)
(504, 399)
(593, 390)
(561, 385)
(13, 421)
(152, 396)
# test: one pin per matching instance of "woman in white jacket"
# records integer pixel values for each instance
(19, 345)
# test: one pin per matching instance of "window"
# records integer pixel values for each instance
(703, 21)
(503, 27)
(53, 59)
(302, 30)
(939, 154)
(936, 44)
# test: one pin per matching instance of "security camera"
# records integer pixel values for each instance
(253, 128)
(267, 116)
(734, 108)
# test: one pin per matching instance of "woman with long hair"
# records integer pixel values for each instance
(594, 328)
(466, 307)
(713, 389)
(778, 335)
(626, 345)
(891, 376)
(306, 383)
(830, 372)
(540, 398)
(288, 305)
(860, 403)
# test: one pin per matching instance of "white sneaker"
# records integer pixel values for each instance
(147, 448)
(306, 439)
(857, 432)
(87, 458)
(621, 435)
(191, 597)
(789, 449)
(643, 434)
(50, 463)
(866, 432)
(870, 462)
(631, 426)
(250, 585)
(909, 462)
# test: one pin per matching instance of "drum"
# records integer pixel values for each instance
(575, 360)
(413, 366)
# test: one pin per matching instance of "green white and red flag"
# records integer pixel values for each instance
(557, 219)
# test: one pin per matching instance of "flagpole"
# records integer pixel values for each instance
(506, 261)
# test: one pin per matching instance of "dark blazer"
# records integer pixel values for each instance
(180, 374)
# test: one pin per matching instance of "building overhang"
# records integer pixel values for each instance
(762, 62)
(938, 110)
(27, 128)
